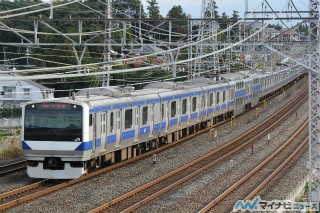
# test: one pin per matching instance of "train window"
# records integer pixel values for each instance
(247, 89)
(111, 122)
(232, 93)
(162, 112)
(218, 98)
(128, 119)
(184, 106)
(211, 99)
(194, 104)
(144, 115)
(90, 120)
(173, 109)
(239, 85)
(224, 96)
(203, 101)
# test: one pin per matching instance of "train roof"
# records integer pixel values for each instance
(153, 91)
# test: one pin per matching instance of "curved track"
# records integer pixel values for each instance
(5, 204)
(13, 167)
(249, 185)
(148, 192)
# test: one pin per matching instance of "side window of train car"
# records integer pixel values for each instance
(173, 109)
(218, 98)
(144, 115)
(103, 123)
(90, 120)
(128, 119)
(194, 104)
(211, 99)
(224, 96)
(203, 101)
(111, 122)
(162, 112)
(231, 94)
(184, 106)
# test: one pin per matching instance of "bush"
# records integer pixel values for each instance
(11, 149)
(11, 112)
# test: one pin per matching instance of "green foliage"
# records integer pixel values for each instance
(62, 55)
(177, 12)
(10, 112)
(11, 148)
(153, 9)
(275, 26)
(3, 133)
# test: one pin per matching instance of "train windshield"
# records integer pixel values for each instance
(53, 121)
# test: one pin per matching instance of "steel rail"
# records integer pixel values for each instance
(188, 177)
(209, 206)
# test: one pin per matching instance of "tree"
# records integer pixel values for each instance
(176, 12)
(235, 30)
(128, 8)
(153, 9)
(178, 26)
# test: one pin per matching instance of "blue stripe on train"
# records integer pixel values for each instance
(85, 146)
(25, 146)
(128, 134)
(194, 115)
(111, 139)
(184, 118)
(173, 122)
(144, 130)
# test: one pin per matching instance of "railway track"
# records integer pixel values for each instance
(9, 199)
(13, 167)
(248, 186)
(158, 187)
(12, 198)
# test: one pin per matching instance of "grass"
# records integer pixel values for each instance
(11, 148)
(3, 133)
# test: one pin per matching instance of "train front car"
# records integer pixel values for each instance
(53, 139)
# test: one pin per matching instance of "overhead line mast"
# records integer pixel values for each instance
(107, 44)
(314, 103)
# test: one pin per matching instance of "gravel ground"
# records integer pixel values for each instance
(5, 162)
(196, 194)
(84, 196)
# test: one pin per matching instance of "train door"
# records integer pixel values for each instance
(94, 133)
(151, 110)
(136, 123)
(118, 127)
(103, 131)
(178, 112)
(203, 104)
(165, 115)
(189, 107)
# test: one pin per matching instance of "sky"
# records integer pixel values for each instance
(193, 7)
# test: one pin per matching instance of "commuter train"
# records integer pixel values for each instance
(64, 138)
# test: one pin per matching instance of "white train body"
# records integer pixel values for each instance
(64, 138)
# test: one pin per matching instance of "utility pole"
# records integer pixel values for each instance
(107, 45)
(207, 29)
(314, 103)
(5, 55)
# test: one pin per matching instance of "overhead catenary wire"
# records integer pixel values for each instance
(22, 8)
(38, 10)
(130, 59)
(149, 67)
(52, 76)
